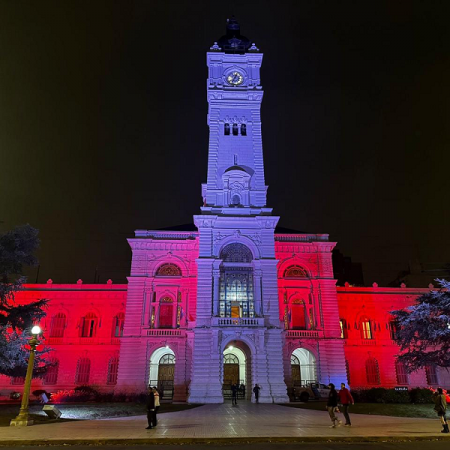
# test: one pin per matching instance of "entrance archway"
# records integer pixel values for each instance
(236, 369)
(303, 367)
(162, 371)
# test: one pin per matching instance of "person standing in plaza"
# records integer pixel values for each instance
(256, 390)
(157, 405)
(440, 406)
(234, 393)
(150, 408)
(332, 405)
(346, 399)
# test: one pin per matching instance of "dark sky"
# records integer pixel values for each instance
(103, 124)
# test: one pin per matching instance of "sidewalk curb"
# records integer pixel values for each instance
(237, 440)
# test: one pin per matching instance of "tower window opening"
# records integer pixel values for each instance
(236, 200)
(226, 129)
(244, 129)
(235, 129)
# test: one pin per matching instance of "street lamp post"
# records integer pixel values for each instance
(23, 419)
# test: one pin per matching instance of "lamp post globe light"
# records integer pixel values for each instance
(23, 418)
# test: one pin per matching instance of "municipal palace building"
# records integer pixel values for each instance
(234, 299)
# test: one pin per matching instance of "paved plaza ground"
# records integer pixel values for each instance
(248, 422)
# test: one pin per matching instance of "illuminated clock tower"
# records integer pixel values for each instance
(237, 310)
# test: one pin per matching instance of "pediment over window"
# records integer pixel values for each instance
(168, 270)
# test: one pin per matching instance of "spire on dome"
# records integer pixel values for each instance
(233, 41)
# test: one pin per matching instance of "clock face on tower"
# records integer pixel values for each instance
(235, 78)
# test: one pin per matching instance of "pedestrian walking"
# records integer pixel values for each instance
(332, 406)
(440, 406)
(150, 408)
(345, 397)
(234, 393)
(243, 390)
(256, 390)
(157, 405)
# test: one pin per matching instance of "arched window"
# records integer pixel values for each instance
(235, 129)
(236, 253)
(83, 371)
(393, 329)
(244, 129)
(166, 313)
(167, 359)
(295, 272)
(113, 367)
(57, 325)
(372, 371)
(343, 325)
(118, 323)
(298, 315)
(51, 376)
(168, 270)
(236, 200)
(303, 367)
(230, 359)
(365, 328)
(226, 129)
(88, 326)
(402, 374)
(432, 378)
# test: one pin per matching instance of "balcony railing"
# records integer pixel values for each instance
(302, 334)
(365, 342)
(237, 322)
(165, 332)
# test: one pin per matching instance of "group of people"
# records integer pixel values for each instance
(344, 397)
(235, 389)
(152, 407)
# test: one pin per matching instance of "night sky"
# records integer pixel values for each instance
(103, 124)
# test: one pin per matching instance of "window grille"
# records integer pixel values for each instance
(236, 253)
(168, 270)
(402, 374)
(230, 359)
(372, 371)
(294, 361)
(51, 376)
(113, 367)
(295, 272)
(57, 325)
(167, 359)
(430, 372)
(83, 371)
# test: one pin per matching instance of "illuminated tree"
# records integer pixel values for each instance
(423, 330)
(17, 248)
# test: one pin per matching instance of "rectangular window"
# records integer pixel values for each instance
(430, 372)
(366, 329)
(402, 375)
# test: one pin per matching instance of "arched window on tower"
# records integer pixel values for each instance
(365, 328)
(226, 129)
(235, 129)
(372, 371)
(244, 129)
(113, 367)
(118, 323)
(83, 371)
(51, 376)
(88, 326)
(168, 270)
(295, 272)
(236, 282)
(57, 325)
(166, 312)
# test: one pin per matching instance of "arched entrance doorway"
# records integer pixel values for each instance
(236, 364)
(162, 371)
(303, 367)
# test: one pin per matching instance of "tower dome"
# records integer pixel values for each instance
(233, 41)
